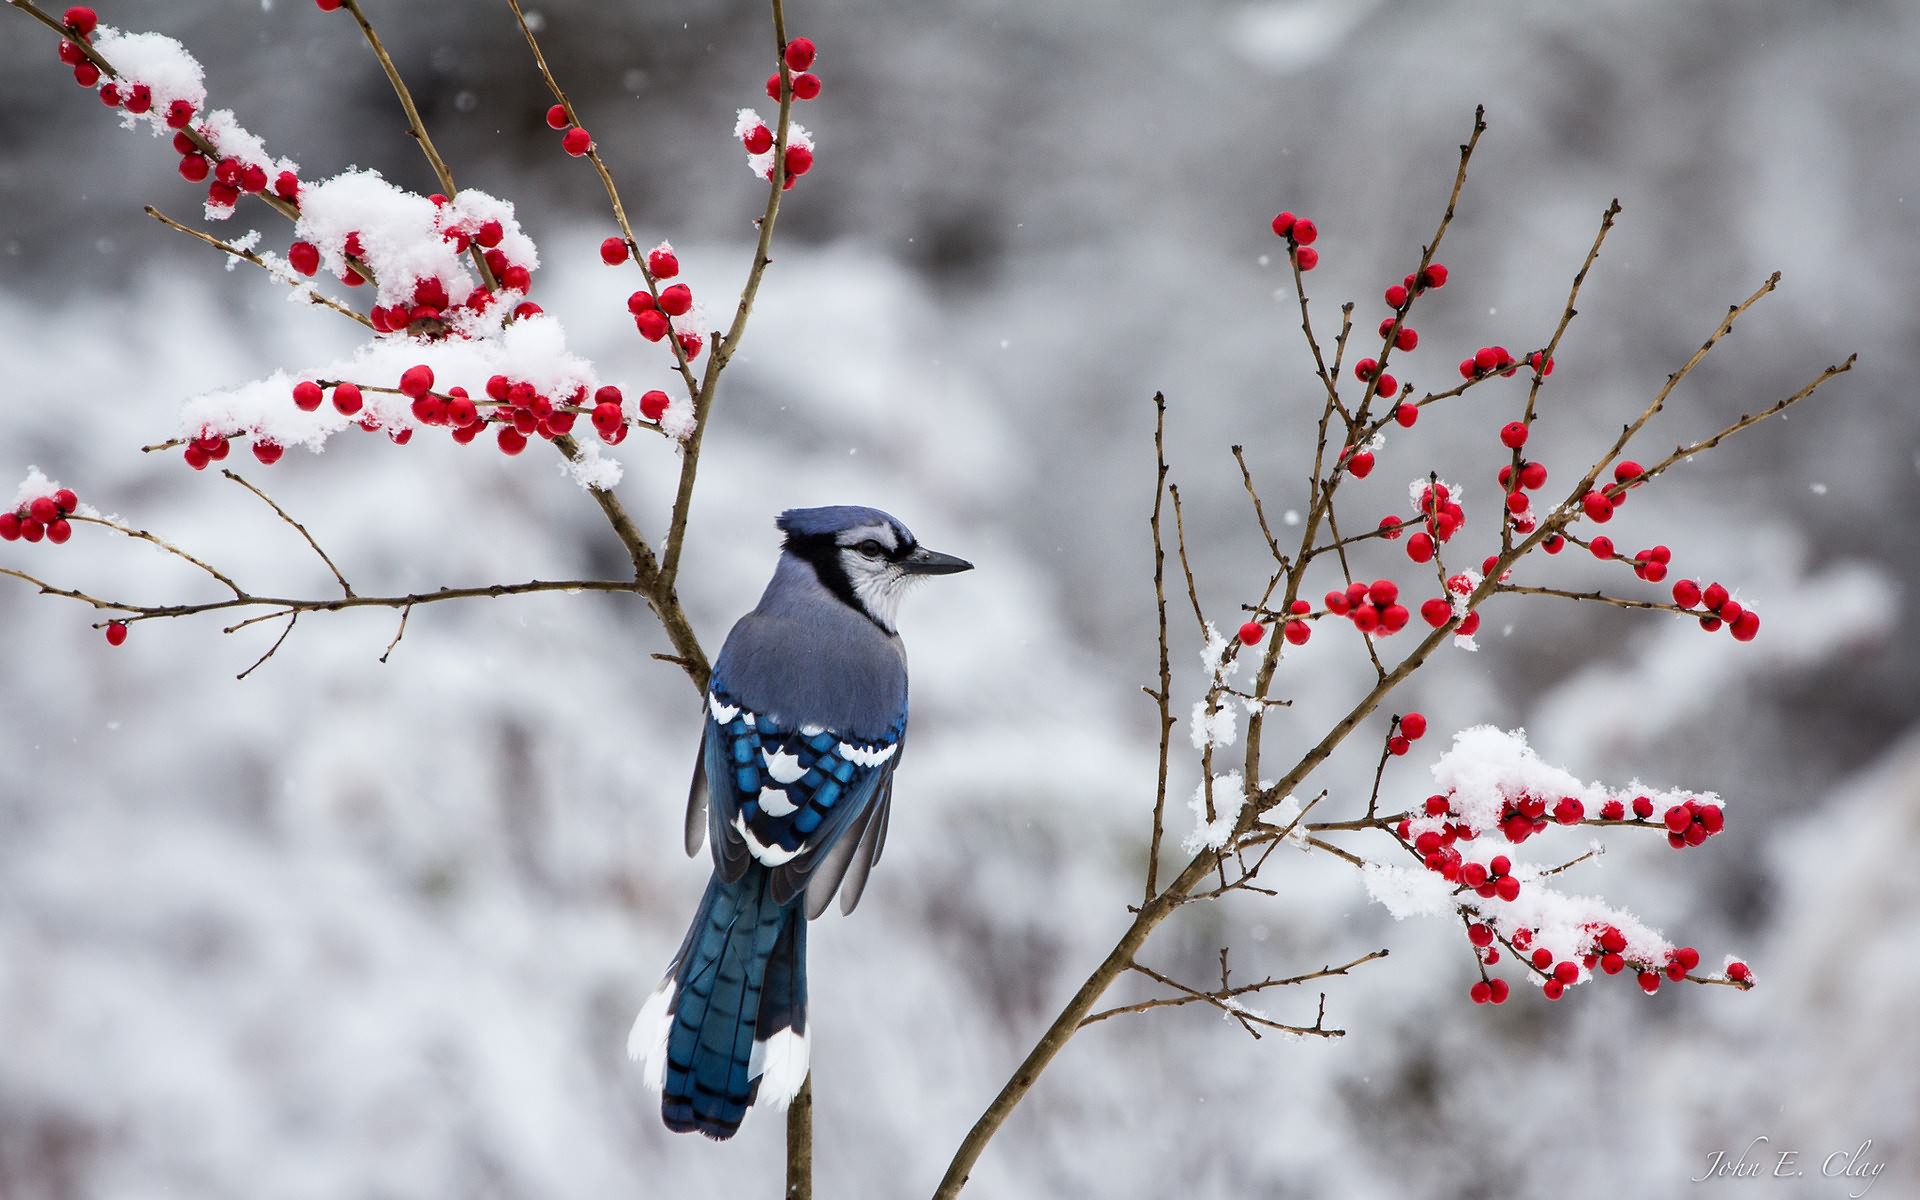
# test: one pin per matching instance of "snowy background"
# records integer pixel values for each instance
(347, 929)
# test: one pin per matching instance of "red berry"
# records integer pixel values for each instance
(1252, 632)
(44, 510)
(307, 395)
(1420, 547)
(516, 279)
(1499, 990)
(1406, 339)
(1479, 934)
(116, 633)
(1388, 387)
(799, 161)
(1406, 415)
(1364, 369)
(576, 142)
(304, 256)
(1533, 360)
(557, 117)
(607, 418)
(806, 86)
(1553, 989)
(110, 95)
(1398, 745)
(1533, 475)
(1307, 257)
(1436, 612)
(1414, 725)
(1304, 232)
(663, 264)
(1396, 296)
(1360, 465)
(676, 300)
(193, 169)
(81, 20)
(179, 114)
(268, 452)
(1283, 225)
(86, 74)
(1297, 632)
(414, 381)
(652, 324)
(1507, 888)
(613, 251)
(799, 54)
(58, 531)
(1602, 547)
(1566, 971)
(329, 5)
(1739, 972)
(512, 441)
(1383, 591)
(758, 140)
(653, 404)
(71, 54)
(1569, 811)
(1435, 275)
(1481, 992)
(1715, 597)
(1746, 626)
(346, 398)
(1513, 435)
(1678, 818)
(1468, 626)
(1597, 506)
(1626, 470)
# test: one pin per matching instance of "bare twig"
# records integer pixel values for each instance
(297, 526)
(397, 634)
(293, 618)
(1190, 997)
(313, 294)
(143, 536)
(1164, 696)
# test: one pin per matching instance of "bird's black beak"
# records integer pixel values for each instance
(931, 562)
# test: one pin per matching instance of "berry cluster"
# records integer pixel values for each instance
(805, 84)
(81, 22)
(1438, 510)
(1374, 608)
(1300, 233)
(654, 317)
(1409, 729)
(1490, 359)
(42, 516)
(1721, 609)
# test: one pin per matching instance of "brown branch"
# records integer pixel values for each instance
(143, 536)
(725, 346)
(1165, 695)
(417, 129)
(313, 294)
(1259, 511)
(397, 634)
(1190, 997)
(243, 600)
(293, 618)
(613, 193)
(297, 527)
(1226, 1001)
(1602, 598)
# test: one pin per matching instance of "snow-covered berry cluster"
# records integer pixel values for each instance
(36, 517)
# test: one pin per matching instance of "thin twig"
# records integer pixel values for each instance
(293, 618)
(313, 294)
(1164, 696)
(297, 526)
(1225, 993)
(417, 129)
(143, 536)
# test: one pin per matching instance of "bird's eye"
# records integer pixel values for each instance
(871, 548)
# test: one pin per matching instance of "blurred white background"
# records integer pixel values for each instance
(353, 930)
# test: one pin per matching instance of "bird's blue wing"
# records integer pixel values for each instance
(788, 796)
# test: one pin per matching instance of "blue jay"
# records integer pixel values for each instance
(806, 719)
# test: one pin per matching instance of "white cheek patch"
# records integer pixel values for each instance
(770, 856)
(782, 767)
(865, 758)
(781, 1063)
(774, 803)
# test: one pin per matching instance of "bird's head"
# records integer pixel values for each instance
(863, 556)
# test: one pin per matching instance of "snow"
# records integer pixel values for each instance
(1229, 797)
(1486, 767)
(1408, 891)
(158, 61)
(34, 486)
(1213, 725)
(762, 164)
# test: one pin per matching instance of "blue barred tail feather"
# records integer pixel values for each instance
(727, 1027)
